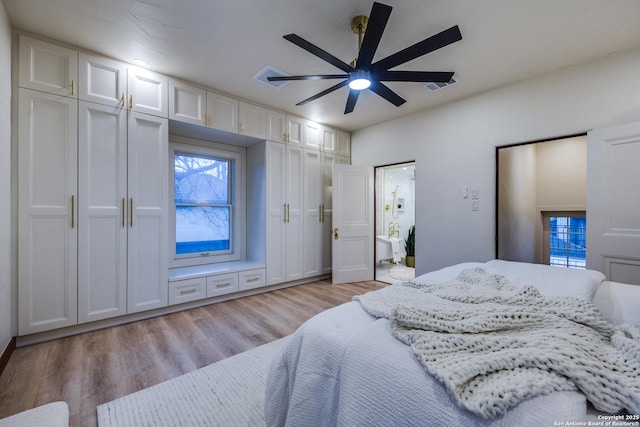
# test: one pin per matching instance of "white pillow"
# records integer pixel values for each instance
(445, 274)
(550, 281)
(619, 302)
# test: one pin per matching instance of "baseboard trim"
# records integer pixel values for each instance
(6, 354)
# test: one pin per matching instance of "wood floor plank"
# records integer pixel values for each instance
(90, 369)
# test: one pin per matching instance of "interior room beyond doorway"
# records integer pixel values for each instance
(395, 218)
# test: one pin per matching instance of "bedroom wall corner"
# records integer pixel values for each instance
(7, 306)
(454, 147)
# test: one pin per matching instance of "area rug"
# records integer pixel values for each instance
(226, 393)
(402, 273)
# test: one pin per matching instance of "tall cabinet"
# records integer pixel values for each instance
(93, 172)
(284, 172)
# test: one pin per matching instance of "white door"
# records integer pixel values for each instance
(353, 224)
(102, 189)
(613, 202)
(47, 215)
(294, 246)
(326, 235)
(147, 212)
(276, 213)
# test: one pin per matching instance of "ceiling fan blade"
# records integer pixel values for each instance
(351, 101)
(311, 77)
(415, 76)
(323, 93)
(430, 44)
(375, 27)
(387, 93)
(315, 50)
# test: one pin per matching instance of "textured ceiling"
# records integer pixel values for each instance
(222, 44)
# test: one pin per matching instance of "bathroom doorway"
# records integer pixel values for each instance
(395, 218)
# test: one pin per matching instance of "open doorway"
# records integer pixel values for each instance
(395, 222)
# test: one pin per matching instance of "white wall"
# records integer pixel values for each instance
(7, 308)
(454, 146)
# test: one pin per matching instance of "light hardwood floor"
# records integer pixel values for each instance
(93, 368)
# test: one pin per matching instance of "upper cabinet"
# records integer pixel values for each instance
(222, 112)
(187, 103)
(148, 92)
(343, 143)
(102, 80)
(252, 120)
(47, 67)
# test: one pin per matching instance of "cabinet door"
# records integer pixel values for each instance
(276, 213)
(148, 92)
(328, 143)
(252, 120)
(276, 126)
(295, 130)
(313, 174)
(147, 212)
(294, 248)
(222, 112)
(102, 189)
(47, 67)
(187, 103)
(102, 80)
(328, 160)
(313, 134)
(343, 143)
(47, 220)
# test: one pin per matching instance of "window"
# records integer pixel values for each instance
(566, 239)
(205, 205)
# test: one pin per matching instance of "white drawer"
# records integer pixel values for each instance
(187, 290)
(222, 284)
(252, 279)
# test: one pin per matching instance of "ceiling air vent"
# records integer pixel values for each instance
(269, 71)
(439, 85)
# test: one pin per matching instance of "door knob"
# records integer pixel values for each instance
(335, 233)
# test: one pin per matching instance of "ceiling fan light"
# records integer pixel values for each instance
(359, 81)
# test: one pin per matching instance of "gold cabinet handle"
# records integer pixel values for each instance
(284, 213)
(241, 128)
(73, 88)
(319, 213)
(130, 102)
(122, 100)
(122, 213)
(223, 285)
(188, 291)
(131, 212)
(254, 279)
(288, 213)
(322, 212)
(73, 211)
(204, 119)
(335, 234)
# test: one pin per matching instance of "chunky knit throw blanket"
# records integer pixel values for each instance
(493, 345)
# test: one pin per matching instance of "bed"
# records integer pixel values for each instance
(345, 366)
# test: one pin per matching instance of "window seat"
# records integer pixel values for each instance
(192, 272)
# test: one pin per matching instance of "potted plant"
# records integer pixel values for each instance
(410, 247)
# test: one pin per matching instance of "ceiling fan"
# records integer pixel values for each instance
(361, 73)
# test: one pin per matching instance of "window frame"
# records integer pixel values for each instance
(235, 156)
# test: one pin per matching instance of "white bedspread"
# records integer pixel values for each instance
(494, 346)
(344, 367)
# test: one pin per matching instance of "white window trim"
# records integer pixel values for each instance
(238, 196)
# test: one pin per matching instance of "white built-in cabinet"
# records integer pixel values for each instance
(93, 189)
(192, 104)
(317, 212)
(284, 172)
(47, 211)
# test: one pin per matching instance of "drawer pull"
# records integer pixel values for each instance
(254, 279)
(223, 285)
(188, 291)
